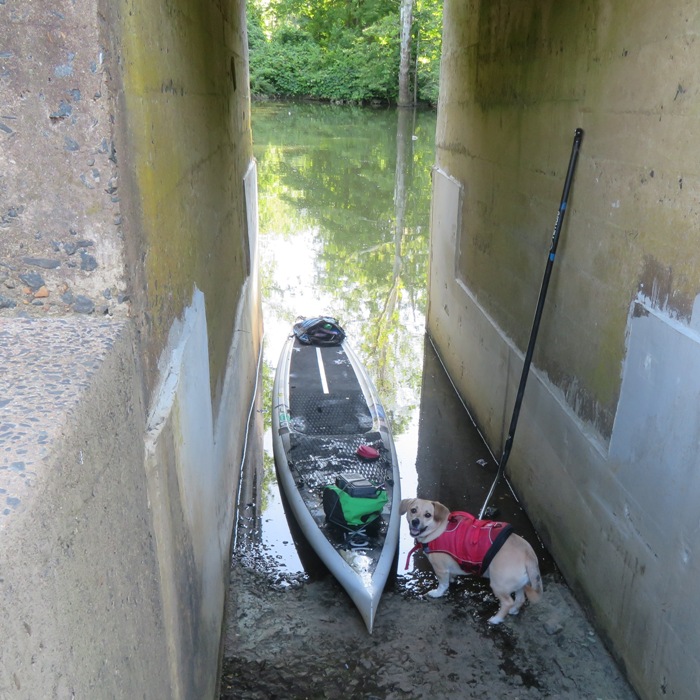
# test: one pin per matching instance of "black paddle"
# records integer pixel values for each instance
(578, 136)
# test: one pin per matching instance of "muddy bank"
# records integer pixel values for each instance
(293, 633)
(291, 637)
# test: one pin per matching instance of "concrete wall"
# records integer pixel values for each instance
(130, 332)
(605, 454)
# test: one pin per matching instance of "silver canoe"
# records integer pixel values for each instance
(325, 407)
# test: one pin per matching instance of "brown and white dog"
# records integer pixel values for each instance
(512, 570)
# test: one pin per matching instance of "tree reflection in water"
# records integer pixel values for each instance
(344, 202)
(344, 205)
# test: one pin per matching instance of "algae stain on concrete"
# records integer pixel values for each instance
(538, 40)
(178, 92)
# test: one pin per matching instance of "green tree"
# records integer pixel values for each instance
(342, 51)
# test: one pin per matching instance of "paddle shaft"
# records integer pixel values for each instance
(578, 136)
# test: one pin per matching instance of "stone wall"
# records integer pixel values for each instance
(130, 332)
(605, 456)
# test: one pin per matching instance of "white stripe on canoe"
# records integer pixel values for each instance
(321, 371)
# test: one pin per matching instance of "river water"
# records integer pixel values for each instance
(344, 206)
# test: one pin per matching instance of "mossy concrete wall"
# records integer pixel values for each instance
(185, 95)
(130, 331)
(605, 454)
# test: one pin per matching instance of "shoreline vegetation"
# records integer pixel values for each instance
(345, 53)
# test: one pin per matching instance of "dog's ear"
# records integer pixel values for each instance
(405, 505)
(440, 512)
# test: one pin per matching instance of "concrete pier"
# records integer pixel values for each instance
(130, 332)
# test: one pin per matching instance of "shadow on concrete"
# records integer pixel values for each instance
(453, 463)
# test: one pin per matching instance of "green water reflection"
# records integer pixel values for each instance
(344, 203)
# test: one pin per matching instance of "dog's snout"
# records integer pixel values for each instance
(415, 522)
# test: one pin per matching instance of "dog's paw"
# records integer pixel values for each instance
(514, 611)
(436, 593)
(495, 620)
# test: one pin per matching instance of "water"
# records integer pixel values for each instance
(344, 203)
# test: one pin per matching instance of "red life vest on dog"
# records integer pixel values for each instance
(472, 542)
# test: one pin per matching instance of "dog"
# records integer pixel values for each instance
(510, 563)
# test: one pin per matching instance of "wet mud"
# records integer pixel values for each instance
(295, 637)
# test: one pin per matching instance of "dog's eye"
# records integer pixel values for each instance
(414, 510)
(428, 515)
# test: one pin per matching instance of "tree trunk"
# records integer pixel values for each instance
(405, 99)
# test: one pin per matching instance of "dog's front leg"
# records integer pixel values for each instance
(443, 577)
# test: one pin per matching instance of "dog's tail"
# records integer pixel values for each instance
(534, 590)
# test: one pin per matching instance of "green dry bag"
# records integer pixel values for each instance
(352, 512)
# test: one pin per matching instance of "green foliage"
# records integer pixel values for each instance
(427, 18)
(340, 51)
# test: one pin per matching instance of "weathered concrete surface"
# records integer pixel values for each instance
(186, 104)
(605, 454)
(80, 604)
(193, 461)
(60, 210)
(129, 338)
